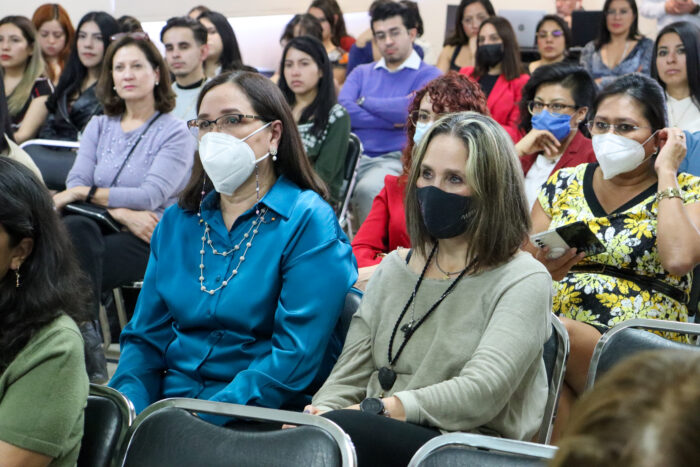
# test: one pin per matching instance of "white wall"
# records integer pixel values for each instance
(258, 24)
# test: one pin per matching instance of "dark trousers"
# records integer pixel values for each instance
(379, 440)
(109, 260)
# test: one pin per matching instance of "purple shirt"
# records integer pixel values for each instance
(156, 172)
(387, 97)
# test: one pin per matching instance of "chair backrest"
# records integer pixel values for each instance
(168, 434)
(694, 302)
(474, 450)
(629, 337)
(352, 303)
(54, 158)
(108, 416)
(556, 353)
(352, 158)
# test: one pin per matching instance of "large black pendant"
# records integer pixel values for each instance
(387, 377)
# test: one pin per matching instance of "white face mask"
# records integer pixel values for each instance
(617, 154)
(227, 160)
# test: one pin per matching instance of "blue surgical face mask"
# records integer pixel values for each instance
(557, 124)
(421, 128)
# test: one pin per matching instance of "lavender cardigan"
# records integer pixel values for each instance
(156, 172)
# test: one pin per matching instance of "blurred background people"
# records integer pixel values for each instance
(55, 35)
(459, 49)
(553, 39)
(224, 54)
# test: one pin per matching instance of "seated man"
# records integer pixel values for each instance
(377, 96)
(186, 48)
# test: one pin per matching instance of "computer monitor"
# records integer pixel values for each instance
(524, 24)
(585, 26)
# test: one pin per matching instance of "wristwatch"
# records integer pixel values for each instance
(360, 100)
(373, 405)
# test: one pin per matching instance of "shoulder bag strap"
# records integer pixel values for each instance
(131, 151)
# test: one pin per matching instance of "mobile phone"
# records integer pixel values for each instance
(576, 235)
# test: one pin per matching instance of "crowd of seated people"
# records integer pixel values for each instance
(218, 188)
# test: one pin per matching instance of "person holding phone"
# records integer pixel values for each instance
(646, 215)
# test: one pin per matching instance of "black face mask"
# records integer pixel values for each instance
(445, 215)
(489, 55)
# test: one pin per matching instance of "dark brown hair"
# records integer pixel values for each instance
(162, 92)
(269, 103)
(511, 66)
(643, 412)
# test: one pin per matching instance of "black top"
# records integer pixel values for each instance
(487, 82)
(69, 120)
(453, 65)
(42, 87)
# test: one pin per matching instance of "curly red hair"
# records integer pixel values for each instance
(449, 93)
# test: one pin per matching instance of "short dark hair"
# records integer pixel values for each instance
(198, 30)
(230, 55)
(268, 102)
(645, 90)
(511, 66)
(50, 280)
(318, 111)
(458, 36)
(572, 77)
(308, 25)
(417, 18)
(384, 10)
(561, 23)
(163, 92)
(129, 24)
(200, 8)
(603, 33)
(690, 37)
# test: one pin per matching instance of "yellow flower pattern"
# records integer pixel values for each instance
(629, 235)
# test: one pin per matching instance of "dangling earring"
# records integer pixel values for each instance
(273, 153)
(156, 83)
(257, 192)
(17, 278)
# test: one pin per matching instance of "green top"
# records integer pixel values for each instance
(43, 394)
(327, 153)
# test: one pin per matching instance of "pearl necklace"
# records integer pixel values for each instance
(247, 238)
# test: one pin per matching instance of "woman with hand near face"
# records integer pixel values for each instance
(75, 102)
(645, 214)
(553, 109)
(26, 87)
(499, 72)
(55, 34)
(460, 48)
(553, 39)
(620, 48)
(227, 311)
(324, 125)
(133, 160)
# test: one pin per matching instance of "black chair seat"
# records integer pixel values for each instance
(53, 163)
(460, 456)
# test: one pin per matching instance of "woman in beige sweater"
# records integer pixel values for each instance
(449, 335)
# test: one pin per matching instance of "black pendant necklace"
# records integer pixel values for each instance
(386, 375)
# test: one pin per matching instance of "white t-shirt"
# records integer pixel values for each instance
(537, 175)
(186, 101)
(683, 114)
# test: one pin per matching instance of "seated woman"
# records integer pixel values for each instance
(646, 216)
(55, 36)
(644, 411)
(74, 103)
(619, 48)
(460, 48)
(499, 72)
(336, 22)
(26, 88)
(553, 39)
(432, 347)
(43, 385)
(552, 111)
(224, 54)
(256, 332)
(676, 66)
(324, 125)
(384, 229)
(134, 160)
(324, 12)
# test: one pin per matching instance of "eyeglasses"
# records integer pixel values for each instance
(393, 33)
(598, 127)
(535, 107)
(225, 123)
(620, 12)
(422, 116)
(138, 35)
(546, 34)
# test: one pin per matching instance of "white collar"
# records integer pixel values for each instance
(413, 62)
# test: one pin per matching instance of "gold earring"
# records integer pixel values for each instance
(17, 278)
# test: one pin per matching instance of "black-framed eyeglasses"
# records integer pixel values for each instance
(546, 34)
(535, 107)
(225, 123)
(138, 35)
(599, 127)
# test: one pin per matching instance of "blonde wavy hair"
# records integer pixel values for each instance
(34, 68)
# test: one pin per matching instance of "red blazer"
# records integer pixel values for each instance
(384, 230)
(579, 151)
(503, 101)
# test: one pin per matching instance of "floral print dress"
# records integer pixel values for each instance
(629, 235)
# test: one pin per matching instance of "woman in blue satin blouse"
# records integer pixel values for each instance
(233, 308)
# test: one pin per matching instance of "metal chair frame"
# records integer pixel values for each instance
(345, 216)
(563, 347)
